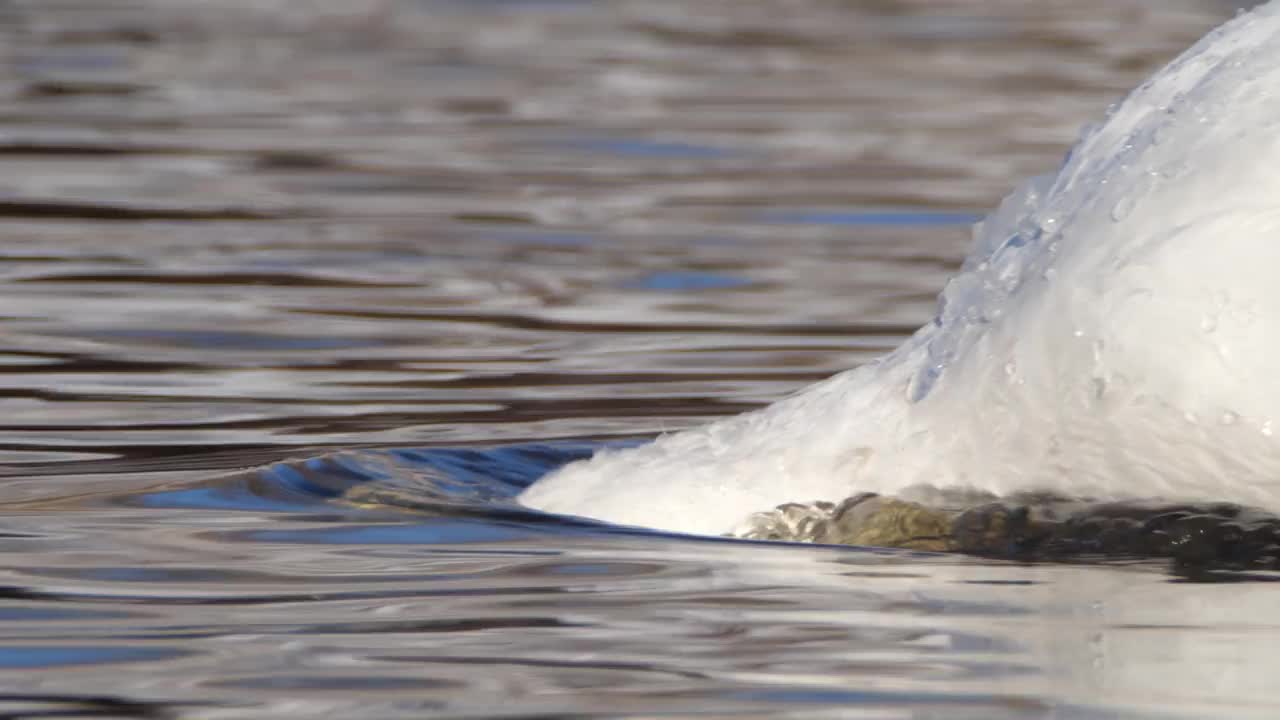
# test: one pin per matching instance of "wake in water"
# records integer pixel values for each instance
(1110, 337)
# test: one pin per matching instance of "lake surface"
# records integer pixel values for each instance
(296, 296)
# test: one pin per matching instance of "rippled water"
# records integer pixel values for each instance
(297, 296)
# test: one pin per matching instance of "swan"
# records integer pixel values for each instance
(1114, 334)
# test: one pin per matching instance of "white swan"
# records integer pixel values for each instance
(1115, 333)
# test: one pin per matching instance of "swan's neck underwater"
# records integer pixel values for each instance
(1112, 335)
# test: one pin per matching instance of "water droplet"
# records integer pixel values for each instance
(1158, 135)
(1049, 274)
(1011, 369)
(858, 459)
(1055, 446)
(1209, 323)
(1190, 417)
(1266, 429)
(920, 386)
(1174, 170)
(1229, 418)
(1123, 207)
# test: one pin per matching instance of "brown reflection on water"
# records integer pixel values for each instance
(237, 222)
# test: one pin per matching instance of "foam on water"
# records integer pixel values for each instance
(1112, 335)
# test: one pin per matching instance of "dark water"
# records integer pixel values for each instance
(297, 296)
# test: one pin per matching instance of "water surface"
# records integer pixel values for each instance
(295, 299)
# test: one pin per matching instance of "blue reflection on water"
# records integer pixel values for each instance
(216, 498)
(899, 218)
(640, 147)
(687, 280)
(480, 477)
(29, 657)
(47, 614)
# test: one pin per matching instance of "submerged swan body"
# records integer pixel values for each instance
(1114, 334)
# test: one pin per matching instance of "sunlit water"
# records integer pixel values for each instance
(294, 303)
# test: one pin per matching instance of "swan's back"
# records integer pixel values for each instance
(1110, 336)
